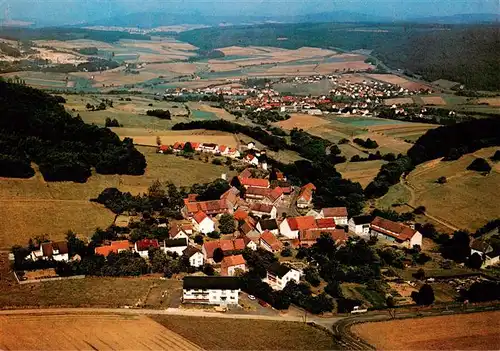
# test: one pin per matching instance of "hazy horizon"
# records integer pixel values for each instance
(75, 11)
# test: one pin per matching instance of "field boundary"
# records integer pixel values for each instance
(22, 282)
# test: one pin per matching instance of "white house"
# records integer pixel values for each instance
(176, 232)
(360, 225)
(339, 214)
(251, 159)
(304, 200)
(211, 290)
(195, 256)
(397, 232)
(203, 223)
(251, 145)
(291, 226)
(57, 251)
(268, 224)
(231, 264)
(259, 210)
(489, 255)
(142, 247)
(175, 246)
(279, 275)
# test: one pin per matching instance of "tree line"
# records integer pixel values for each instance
(35, 128)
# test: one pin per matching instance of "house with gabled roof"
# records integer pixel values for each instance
(396, 232)
(308, 238)
(269, 242)
(488, 253)
(291, 226)
(232, 197)
(360, 225)
(268, 224)
(195, 256)
(304, 200)
(176, 232)
(203, 223)
(175, 246)
(57, 251)
(339, 214)
(142, 247)
(254, 182)
(260, 210)
(211, 208)
(113, 247)
(231, 264)
(278, 276)
(249, 243)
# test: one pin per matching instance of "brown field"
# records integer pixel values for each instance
(389, 78)
(291, 70)
(362, 172)
(398, 101)
(433, 100)
(354, 78)
(178, 67)
(491, 101)
(219, 112)
(474, 331)
(387, 143)
(241, 51)
(403, 131)
(223, 67)
(325, 68)
(301, 121)
(87, 331)
(169, 137)
(238, 334)
(74, 44)
(414, 86)
(114, 77)
(466, 199)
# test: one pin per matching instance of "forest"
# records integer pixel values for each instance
(34, 127)
(432, 51)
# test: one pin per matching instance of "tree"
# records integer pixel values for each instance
(188, 147)
(425, 295)
(158, 140)
(419, 210)
(227, 224)
(198, 239)
(389, 301)
(208, 269)
(218, 255)
(496, 156)
(420, 274)
(286, 252)
(214, 235)
(442, 180)
(75, 245)
(312, 276)
(479, 165)
(475, 261)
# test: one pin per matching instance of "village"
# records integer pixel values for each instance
(261, 212)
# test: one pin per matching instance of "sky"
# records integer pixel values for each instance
(74, 11)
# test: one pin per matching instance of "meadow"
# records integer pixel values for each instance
(472, 331)
(362, 172)
(226, 334)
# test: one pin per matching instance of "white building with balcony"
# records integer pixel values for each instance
(211, 290)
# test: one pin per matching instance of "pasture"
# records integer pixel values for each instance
(467, 199)
(87, 331)
(35, 207)
(362, 172)
(301, 121)
(226, 334)
(472, 331)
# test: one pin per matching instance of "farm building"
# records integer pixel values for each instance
(360, 225)
(113, 247)
(397, 232)
(306, 196)
(339, 214)
(57, 251)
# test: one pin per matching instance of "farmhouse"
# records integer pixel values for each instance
(306, 196)
(261, 210)
(291, 226)
(226, 245)
(489, 255)
(339, 214)
(175, 246)
(176, 232)
(279, 275)
(142, 247)
(210, 208)
(268, 224)
(195, 256)
(269, 242)
(360, 225)
(57, 251)
(211, 290)
(114, 247)
(394, 231)
(202, 223)
(307, 238)
(249, 243)
(254, 182)
(231, 197)
(251, 159)
(230, 265)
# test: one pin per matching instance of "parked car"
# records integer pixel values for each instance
(263, 303)
(251, 297)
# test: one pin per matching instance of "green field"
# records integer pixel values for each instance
(203, 115)
(365, 121)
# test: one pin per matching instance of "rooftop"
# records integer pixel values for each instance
(225, 283)
(396, 230)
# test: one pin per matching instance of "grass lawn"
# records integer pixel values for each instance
(398, 194)
(235, 334)
(362, 172)
(95, 292)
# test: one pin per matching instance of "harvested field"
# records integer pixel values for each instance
(89, 292)
(433, 100)
(362, 172)
(301, 121)
(404, 130)
(398, 101)
(223, 67)
(490, 101)
(225, 334)
(326, 68)
(169, 137)
(74, 44)
(114, 77)
(388, 143)
(218, 112)
(465, 200)
(473, 331)
(388, 78)
(178, 67)
(87, 331)
(241, 51)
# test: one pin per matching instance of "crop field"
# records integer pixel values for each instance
(362, 172)
(226, 334)
(433, 100)
(387, 143)
(473, 331)
(87, 331)
(88, 292)
(466, 200)
(399, 101)
(301, 121)
(388, 78)
(321, 87)
(211, 112)
(403, 131)
(490, 101)
(49, 80)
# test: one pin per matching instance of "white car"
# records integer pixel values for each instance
(251, 297)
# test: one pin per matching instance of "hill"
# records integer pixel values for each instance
(34, 127)
(433, 51)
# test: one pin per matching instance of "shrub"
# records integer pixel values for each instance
(479, 165)
(442, 180)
